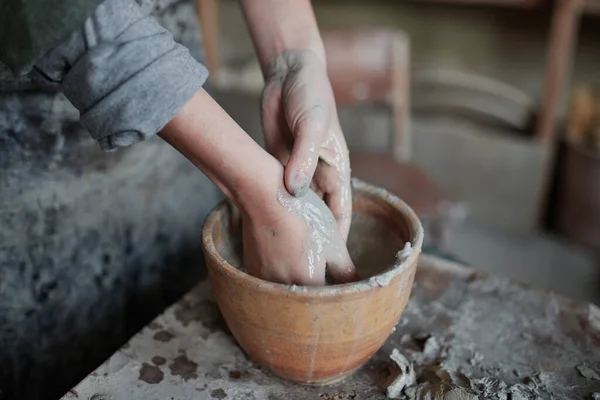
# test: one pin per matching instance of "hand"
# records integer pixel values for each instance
(302, 131)
(286, 239)
(293, 241)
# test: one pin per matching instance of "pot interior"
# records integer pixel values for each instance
(378, 231)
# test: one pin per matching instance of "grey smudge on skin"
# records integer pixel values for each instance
(158, 360)
(184, 368)
(163, 336)
(151, 374)
(218, 394)
(324, 235)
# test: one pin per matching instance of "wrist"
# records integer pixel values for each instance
(292, 47)
(289, 25)
(293, 60)
(256, 193)
(214, 143)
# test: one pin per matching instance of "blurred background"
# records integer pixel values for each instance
(481, 114)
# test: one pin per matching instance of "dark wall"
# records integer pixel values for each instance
(92, 245)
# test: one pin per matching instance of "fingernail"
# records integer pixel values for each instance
(300, 184)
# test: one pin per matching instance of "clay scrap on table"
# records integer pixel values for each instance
(426, 377)
(402, 375)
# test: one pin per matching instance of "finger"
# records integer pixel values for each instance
(333, 178)
(337, 195)
(309, 271)
(304, 280)
(277, 143)
(308, 130)
(340, 267)
(339, 202)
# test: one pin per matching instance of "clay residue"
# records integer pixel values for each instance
(323, 240)
(154, 325)
(158, 360)
(235, 374)
(184, 368)
(163, 336)
(151, 374)
(218, 394)
(351, 395)
(203, 311)
(470, 336)
(185, 313)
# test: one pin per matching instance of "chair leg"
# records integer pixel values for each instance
(438, 230)
(208, 18)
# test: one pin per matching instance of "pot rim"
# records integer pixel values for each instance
(380, 280)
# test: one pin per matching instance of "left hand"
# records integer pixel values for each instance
(302, 131)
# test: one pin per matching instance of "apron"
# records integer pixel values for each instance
(93, 245)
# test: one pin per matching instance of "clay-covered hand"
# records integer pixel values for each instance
(302, 131)
(295, 240)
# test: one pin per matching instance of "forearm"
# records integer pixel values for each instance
(124, 73)
(204, 133)
(285, 25)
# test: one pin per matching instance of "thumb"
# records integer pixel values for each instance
(308, 130)
(340, 267)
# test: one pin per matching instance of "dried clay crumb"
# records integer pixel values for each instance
(404, 253)
(402, 375)
(459, 394)
(338, 396)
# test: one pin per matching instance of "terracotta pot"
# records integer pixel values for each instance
(317, 335)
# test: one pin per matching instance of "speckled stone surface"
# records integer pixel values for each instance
(92, 245)
(469, 336)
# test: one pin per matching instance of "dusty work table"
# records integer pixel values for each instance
(495, 338)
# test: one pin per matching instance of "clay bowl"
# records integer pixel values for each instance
(319, 335)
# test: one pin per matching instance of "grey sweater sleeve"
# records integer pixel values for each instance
(124, 73)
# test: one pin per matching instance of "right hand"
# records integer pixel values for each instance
(294, 241)
(302, 131)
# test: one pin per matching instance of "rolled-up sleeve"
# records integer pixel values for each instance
(124, 73)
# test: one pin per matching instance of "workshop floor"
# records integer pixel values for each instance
(540, 260)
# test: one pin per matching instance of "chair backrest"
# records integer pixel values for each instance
(371, 66)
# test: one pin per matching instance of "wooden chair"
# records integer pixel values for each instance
(368, 67)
